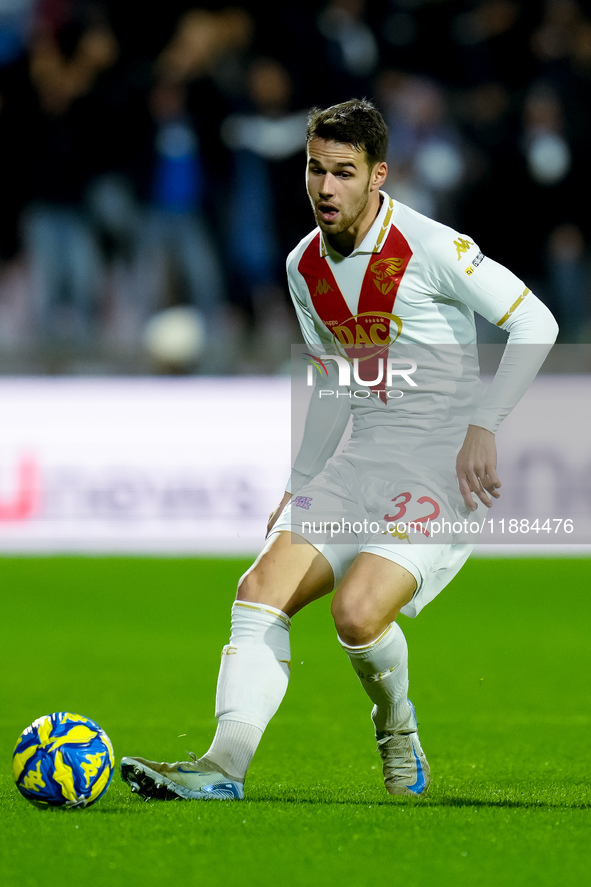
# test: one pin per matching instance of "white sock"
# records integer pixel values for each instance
(382, 668)
(253, 678)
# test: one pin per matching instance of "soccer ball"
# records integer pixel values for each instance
(63, 760)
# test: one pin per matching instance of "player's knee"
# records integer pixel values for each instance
(355, 622)
(250, 586)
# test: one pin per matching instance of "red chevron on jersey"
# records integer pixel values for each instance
(369, 333)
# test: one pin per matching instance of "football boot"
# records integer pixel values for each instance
(190, 780)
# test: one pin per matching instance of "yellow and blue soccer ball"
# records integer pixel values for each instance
(63, 760)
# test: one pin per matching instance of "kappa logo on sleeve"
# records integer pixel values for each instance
(302, 502)
(474, 264)
(462, 246)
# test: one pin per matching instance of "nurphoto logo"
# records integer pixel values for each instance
(385, 371)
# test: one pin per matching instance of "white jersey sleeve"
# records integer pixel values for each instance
(299, 296)
(532, 332)
(464, 274)
(327, 418)
(459, 271)
(326, 421)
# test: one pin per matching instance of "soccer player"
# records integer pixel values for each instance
(386, 300)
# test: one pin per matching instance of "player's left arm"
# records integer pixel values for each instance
(532, 332)
(476, 467)
(503, 299)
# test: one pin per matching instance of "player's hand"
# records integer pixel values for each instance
(476, 467)
(274, 516)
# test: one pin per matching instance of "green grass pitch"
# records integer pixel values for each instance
(500, 676)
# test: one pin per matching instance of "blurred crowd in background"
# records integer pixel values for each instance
(152, 162)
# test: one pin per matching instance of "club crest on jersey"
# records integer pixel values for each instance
(323, 287)
(385, 271)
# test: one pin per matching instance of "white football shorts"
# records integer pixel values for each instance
(414, 518)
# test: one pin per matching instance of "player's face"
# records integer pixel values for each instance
(343, 190)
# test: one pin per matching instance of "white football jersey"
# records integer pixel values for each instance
(393, 327)
(437, 278)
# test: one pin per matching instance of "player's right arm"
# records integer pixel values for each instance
(327, 417)
(325, 424)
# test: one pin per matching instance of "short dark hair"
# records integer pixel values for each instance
(356, 122)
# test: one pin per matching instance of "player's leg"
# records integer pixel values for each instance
(253, 675)
(288, 574)
(369, 598)
(254, 672)
(364, 608)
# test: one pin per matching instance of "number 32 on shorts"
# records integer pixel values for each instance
(410, 515)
